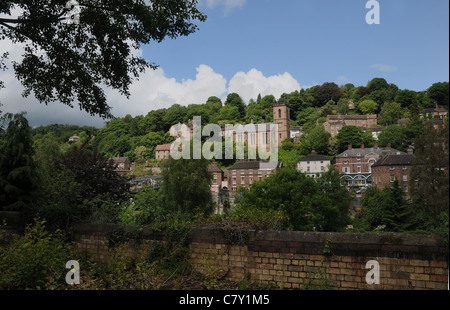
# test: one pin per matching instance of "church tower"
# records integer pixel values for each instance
(281, 117)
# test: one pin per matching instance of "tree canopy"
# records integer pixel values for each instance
(71, 62)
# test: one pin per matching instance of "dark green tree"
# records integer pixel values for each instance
(18, 179)
(439, 92)
(70, 62)
(353, 135)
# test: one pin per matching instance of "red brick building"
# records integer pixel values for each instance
(245, 173)
(163, 151)
(218, 176)
(393, 167)
(356, 163)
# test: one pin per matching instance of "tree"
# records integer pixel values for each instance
(390, 113)
(368, 107)
(316, 140)
(234, 100)
(386, 210)
(185, 187)
(18, 178)
(310, 204)
(353, 135)
(395, 135)
(69, 62)
(405, 97)
(439, 92)
(326, 92)
(429, 174)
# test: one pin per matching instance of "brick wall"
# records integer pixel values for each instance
(292, 259)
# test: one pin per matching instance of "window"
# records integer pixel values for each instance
(250, 180)
(242, 171)
(234, 188)
(242, 180)
(308, 169)
(322, 168)
(234, 180)
(392, 168)
(259, 171)
(234, 172)
(345, 169)
(358, 154)
(405, 178)
(359, 169)
(392, 178)
(404, 167)
(358, 160)
(250, 171)
(279, 113)
(345, 162)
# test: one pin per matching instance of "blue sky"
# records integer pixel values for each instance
(317, 41)
(271, 47)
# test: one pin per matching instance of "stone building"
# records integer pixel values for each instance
(162, 151)
(334, 123)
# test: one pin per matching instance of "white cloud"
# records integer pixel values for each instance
(249, 85)
(384, 67)
(228, 5)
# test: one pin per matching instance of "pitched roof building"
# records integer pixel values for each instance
(245, 173)
(334, 123)
(314, 164)
(393, 167)
(356, 163)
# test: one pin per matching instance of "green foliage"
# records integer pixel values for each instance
(99, 50)
(386, 210)
(353, 135)
(18, 178)
(316, 140)
(310, 204)
(35, 260)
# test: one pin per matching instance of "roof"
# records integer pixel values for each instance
(343, 117)
(243, 165)
(118, 159)
(214, 167)
(395, 160)
(431, 110)
(163, 147)
(314, 157)
(363, 152)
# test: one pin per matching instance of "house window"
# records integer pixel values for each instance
(392, 178)
(345, 162)
(242, 180)
(392, 168)
(259, 171)
(405, 178)
(250, 180)
(234, 180)
(322, 168)
(308, 169)
(242, 172)
(250, 171)
(345, 169)
(234, 172)
(359, 169)
(358, 160)
(404, 167)
(234, 188)
(252, 139)
(358, 154)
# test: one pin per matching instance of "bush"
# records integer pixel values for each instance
(36, 260)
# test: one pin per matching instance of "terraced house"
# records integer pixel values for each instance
(356, 163)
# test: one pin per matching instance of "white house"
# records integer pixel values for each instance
(314, 165)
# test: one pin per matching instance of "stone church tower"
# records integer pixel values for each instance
(281, 117)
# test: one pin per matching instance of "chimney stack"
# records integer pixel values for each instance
(349, 146)
(362, 146)
(313, 152)
(389, 146)
(375, 146)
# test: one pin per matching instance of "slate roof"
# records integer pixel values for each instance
(381, 151)
(214, 167)
(395, 160)
(244, 165)
(315, 157)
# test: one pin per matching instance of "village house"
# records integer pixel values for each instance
(314, 165)
(334, 123)
(436, 112)
(162, 151)
(121, 165)
(393, 167)
(356, 163)
(74, 138)
(218, 176)
(245, 173)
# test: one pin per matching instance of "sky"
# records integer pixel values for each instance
(272, 47)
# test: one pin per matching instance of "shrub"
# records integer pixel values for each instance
(35, 260)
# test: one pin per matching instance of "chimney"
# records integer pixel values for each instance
(375, 145)
(389, 146)
(410, 150)
(251, 121)
(313, 152)
(349, 146)
(362, 146)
